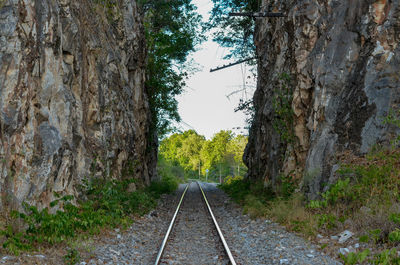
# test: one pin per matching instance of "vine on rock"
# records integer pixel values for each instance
(283, 113)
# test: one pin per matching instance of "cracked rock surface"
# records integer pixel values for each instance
(343, 60)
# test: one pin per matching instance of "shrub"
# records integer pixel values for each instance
(108, 203)
(394, 236)
(236, 188)
(166, 185)
(395, 218)
(286, 185)
(387, 257)
(72, 257)
(327, 221)
(254, 206)
(355, 258)
(340, 191)
(229, 179)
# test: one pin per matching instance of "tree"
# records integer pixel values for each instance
(173, 29)
(183, 149)
(219, 144)
(190, 150)
(206, 156)
(235, 33)
(194, 154)
(236, 149)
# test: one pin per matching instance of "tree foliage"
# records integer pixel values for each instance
(222, 155)
(235, 33)
(173, 29)
(183, 149)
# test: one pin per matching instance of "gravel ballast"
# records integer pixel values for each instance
(259, 241)
(194, 239)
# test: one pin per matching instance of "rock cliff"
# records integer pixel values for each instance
(340, 62)
(72, 98)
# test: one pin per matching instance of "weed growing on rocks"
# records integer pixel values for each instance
(282, 104)
(72, 257)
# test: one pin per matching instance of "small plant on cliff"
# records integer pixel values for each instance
(286, 185)
(283, 112)
(393, 118)
(110, 7)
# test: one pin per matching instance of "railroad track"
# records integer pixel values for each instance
(194, 233)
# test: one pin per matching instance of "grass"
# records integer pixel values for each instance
(365, 199)
(107, 204)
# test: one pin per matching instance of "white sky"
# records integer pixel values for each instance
(204, 105)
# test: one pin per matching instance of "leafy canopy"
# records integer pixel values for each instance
(173, 29)
(192, 152)
(235, 33)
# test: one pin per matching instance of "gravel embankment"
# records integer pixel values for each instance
(259, 241)
(193, 240)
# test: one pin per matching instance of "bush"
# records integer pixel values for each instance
(229, 179)
(394, 236)
(72, 257)
(254, 207)
(108, 203)
(340, 191)
(387, 257)
(327, 221)
(355, 258)
(166, 185)
(238, 189)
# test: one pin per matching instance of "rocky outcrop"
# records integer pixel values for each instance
(343, 59)
(72, 98)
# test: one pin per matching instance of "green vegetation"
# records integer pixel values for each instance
(189, 155)
(253, 196)
(110, 7)
(108, 203)
(355, 258)
(393, 118)
(72, 257)
(2, 3)
(366, 196)
(173, 29)
(365, 199)
(235, 33)
(385, 257)
(283, 112)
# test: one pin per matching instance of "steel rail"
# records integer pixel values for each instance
(160, 252)
(231, 259)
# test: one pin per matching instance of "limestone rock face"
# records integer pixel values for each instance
(343, 59)
(72, 98)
